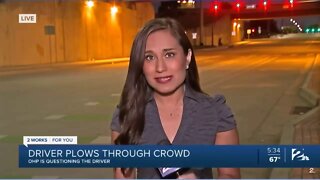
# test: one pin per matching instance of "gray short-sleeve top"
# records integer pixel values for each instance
(203, 116)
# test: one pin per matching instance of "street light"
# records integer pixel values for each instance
(114, 10)
(89, 3)
(186, 3)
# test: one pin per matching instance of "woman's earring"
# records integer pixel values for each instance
(187, 67)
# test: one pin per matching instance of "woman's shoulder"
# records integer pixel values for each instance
(206, 99)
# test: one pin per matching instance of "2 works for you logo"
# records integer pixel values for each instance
(298, 155)
(27, 18)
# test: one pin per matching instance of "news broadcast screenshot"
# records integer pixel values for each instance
(159, 89)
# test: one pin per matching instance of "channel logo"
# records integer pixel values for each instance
(27, 18)
(298, 155)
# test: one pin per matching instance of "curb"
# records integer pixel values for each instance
(213, 48)
(288, 130)
(12, 70)
(307, 94)
(287, 139)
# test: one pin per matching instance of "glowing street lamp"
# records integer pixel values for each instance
(186, 3)
(89, 3)
(114, 10)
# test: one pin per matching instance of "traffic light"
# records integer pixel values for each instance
(288, 4)
(265, 5)
(313, 29)
(291, 3)
(214, 7)
(238, 6)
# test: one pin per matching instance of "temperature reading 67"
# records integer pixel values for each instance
(274, 159)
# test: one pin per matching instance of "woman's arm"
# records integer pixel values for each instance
(228, 138)
(117, 174)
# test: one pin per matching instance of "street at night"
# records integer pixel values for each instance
(260, 79)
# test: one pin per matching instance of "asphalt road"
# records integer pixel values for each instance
(259, 78)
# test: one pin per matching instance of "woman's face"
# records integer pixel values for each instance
(165, 63)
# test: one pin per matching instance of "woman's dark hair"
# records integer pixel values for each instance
(136, 90)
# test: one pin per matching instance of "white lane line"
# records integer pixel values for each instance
(91, 103)
(3, 136)
(116, 95)
(55, 117)
(45, 177)
(101, 140)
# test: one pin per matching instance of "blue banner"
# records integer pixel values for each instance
(197, 156)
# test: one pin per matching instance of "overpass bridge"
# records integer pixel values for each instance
(228, 22)
(257, 11)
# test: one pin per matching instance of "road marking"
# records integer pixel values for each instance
(116, 95)
(101, 140)
(55, 117)
(3, 136)
(91, 103)
(259, 85)
(239, 71)
(45, 177)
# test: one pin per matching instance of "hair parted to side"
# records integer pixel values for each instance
(136, 90)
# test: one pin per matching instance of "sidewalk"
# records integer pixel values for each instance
(306, 128)
(12, 70)
(307, 131)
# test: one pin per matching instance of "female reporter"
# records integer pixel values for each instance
(162, 101)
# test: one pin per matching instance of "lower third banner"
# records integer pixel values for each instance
(71, 156)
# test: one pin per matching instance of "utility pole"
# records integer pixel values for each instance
(212, 32)
(201, 23)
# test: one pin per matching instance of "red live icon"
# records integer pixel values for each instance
(27, 18)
